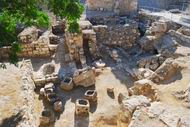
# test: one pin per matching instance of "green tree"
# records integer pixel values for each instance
(28, 13)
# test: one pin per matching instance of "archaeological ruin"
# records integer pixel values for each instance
(129, 66)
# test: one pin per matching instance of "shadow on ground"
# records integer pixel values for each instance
(12, 121)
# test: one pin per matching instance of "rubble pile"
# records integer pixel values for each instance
(183, 95)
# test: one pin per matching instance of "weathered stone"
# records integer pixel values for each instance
(142, 119)
(48, 69)
(184, 31)
(85, 78)
(165, 71)
(142, 73)
(159, 27)
(28, 35)
(47, 117)
(144, 87)
(59, 27)
(67, 84)
(85, 25)
(183, 95)
(118, 7)
(82, 107)
(131, 103)
(147, 42)
(53, 39)
(58, 106)
(91, 96)
(119, 35)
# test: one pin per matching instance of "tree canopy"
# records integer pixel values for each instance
(30, 12)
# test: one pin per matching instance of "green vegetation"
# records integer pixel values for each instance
(28, 13)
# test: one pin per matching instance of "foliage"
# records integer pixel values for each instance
(29, 12)
(69, 9)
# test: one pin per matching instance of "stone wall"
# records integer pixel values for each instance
(35, 49)
(33, 44)
(117, 6)
(162, 4)
(123, 36)
(74, 43)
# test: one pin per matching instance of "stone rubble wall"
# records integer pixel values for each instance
(124, 36)
(74, 43)
(28, 86)
(32, 44)
(35, 49)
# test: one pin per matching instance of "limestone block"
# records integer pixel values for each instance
(131, 103)
(147, 42)
(85, 25)
(159, 27)
(146, 88)
(184, 96)
(28, 35)
(82, 107)
(99, 64)
(47, 69)
(91, 96)
(47, 117)
(58, 106)
(122, 96)
(39, 81)
(86, 78)
(165, 71)
(53, 39)
(67, 84)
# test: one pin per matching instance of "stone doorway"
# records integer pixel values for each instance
(87, 53)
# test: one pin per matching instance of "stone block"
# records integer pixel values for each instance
(28, 35)
(146, 88)
(91, 96)
(67, 84)
(85, 25)
(82, 107)
(85, 78)
(58, 106)
(47, 117)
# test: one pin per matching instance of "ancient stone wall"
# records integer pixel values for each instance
(123, 36)
(36, 49)
(74, 44)
(117, 6)
(32, 44)
(161, 4)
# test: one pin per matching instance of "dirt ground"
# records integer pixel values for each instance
(104, 113)
(10, 98)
